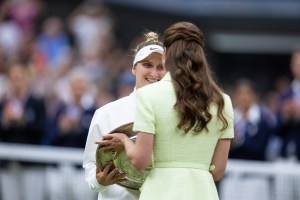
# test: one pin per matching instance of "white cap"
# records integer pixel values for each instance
(146, 51)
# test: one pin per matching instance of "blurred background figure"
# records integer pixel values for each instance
(18, 21)
(289, 112)
(271, 97)
(23, 115)
(254, 126)
(10, 36)
(126, 84)
(72, 119)
(53, 42)
(25, 13)
(289, 130)
(69, 128)
(254, 123)
(91, 26)
(22, 120)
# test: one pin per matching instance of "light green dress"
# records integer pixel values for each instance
(180, 161)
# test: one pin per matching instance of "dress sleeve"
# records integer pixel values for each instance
(144, 113)
(89, 159)
(228, 113)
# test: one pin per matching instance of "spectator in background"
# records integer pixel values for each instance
(103, 96)
(10, 36)
(25, 13)
(289, 130)
(22, 120)
(289, 112)
(254, 125)
(91, 26)
(125, 84)
(69, 128)
(117, 64)
(72, 118)
(23, 115)
(92, 29)
(281, 84)
(53, 42)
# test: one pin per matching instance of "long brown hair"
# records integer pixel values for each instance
(192, 79)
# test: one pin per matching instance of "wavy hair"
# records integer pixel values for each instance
(191, 76)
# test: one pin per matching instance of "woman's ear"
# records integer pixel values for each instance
(133, 70)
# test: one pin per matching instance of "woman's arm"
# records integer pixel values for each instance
(139, 153)
(220, 158)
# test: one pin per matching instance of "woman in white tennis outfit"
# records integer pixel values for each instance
(147, 68)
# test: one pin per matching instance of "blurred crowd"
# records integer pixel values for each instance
(267, 128)
(54, 73)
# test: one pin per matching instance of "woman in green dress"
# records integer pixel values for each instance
(184, 124)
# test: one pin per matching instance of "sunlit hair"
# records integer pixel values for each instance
(194, 86)
(150, 38)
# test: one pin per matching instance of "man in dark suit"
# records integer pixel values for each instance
(22, 120)
(289, 131)
(254, 123)
(22, 114)
(289, 112)
(69, 128)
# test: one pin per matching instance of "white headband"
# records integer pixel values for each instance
(146, 51)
